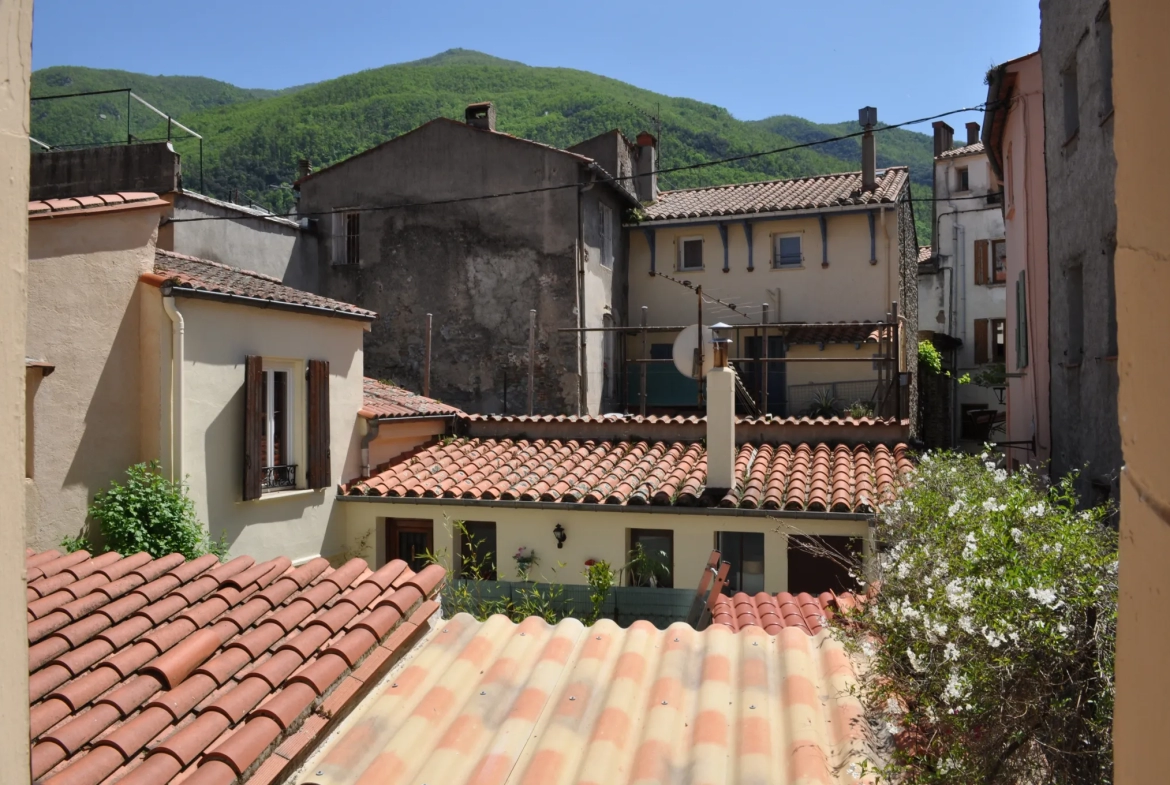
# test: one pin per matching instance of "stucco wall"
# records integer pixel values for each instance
(1141, 722)
(273, 246)
(478, 266)
(15, 65)
(594, 534)
(1082, 229)
(297, 524)
(395, 438)
(1026, 230)
(84, 319)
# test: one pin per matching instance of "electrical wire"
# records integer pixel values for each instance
(608, 179)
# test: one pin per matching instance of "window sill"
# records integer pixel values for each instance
(690, 269)
(278, 495)
(788, 267)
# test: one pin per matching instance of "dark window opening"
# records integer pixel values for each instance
(411, 540)
(1072, 119)
(744, 553)
(691, 256)
(753, 373)
(788, 252)
(999, 260)
(819, 564)
(658, 547)
(352, 238)
(477, 550)
(998, 340)
(963, 179)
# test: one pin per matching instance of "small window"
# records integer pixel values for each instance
(744, 554)
(658, 548)
(998, 340)
(410, 539)
(690, 253)
(276, 439)
(787, 252)
(605, 231)
(999, 260)
(1072, 118)
(477, 549)
(962, 179)
(347, 232)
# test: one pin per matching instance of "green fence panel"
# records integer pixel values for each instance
(624, 604)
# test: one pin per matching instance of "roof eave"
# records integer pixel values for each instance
(773, 214)
(179, 290)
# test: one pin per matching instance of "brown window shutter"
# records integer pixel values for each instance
(982, 254)
(253, 425)
(318, 470)
(981, 354)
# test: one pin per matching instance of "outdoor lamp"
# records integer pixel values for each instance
(559, 533)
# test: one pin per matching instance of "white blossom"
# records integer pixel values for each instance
(1046, 597)
(1017, 535)
(955, 690)
(971, 546)
(893, 708)
(915, 663)
(994, 639)
(966, 625)
(951, 651)
(1036, 510)
(957, 595)
(992, 506)
(954, 508)
(1000, 475)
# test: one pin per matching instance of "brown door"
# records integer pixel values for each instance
(411, 540)
(817, 564)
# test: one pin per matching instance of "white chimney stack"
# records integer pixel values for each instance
(721, 421)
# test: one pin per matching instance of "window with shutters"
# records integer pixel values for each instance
(982, 353)
(346, 238)
(787, 251)
(690, 253)
(982, 255)
(999, 261)
(277, 436)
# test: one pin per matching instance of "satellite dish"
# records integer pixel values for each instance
(686, 352)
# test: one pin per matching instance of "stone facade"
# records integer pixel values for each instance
(1076, 44)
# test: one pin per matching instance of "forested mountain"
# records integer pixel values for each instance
(254, 138)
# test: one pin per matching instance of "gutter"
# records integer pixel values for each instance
(178, 330)
(170, 290)
(659, 509)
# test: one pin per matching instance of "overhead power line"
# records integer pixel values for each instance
(545, 189)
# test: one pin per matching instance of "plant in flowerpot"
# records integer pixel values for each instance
(525, 559)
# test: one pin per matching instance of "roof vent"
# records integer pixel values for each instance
(481, 115)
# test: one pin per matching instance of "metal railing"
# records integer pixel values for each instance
(279, 477)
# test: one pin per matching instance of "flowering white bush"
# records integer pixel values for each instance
(994, 619)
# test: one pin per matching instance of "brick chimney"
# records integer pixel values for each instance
(867, 117)
(720, 422)
(304, 168)
(972, 133)
(481, 115)
(646, 168)
(944, 137)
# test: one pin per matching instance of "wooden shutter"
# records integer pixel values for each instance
(981, 256)
(317, 472)
(253, 425)
(981, 355)
(1022, 321)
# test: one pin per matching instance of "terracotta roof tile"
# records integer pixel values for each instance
(970, 149)
(813, 477)
(386, 401)
(186, 653)
(88, 205)
(200, 275)
(775, 613)
(925, 254)
(536, 703)
(805, 193)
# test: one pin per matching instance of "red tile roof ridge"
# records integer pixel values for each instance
(179, 644)
(803, 179)
(382, 400)
(675, 419)
(967, 149)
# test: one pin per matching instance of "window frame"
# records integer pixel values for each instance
(292, 407)
(396, 526)
(777, 257)
(962, 179)
(344, 253)
(998, 274)
(736, 561)
(605, 230)
(997, 349)
(682, 253)
(634, 538)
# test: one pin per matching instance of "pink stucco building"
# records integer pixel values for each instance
(1013, 134)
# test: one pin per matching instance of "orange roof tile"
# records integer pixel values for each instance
(812, 477)
(805, 193)
(925, 253)
(970, 149)
(802, 611)
(190, 274)
(387, 401)
(142, 670)
(88, 205)
(498, 702)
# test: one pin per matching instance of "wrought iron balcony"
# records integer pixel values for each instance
(277, 477)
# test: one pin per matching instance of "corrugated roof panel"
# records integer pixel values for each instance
(535, 704)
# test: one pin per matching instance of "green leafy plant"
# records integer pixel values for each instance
(645, 569)
(994, 375)
(150, 513)
(601, 578)
(823, 404)
(859, 409)
(78, 543)
(525, 559)
(990, 641)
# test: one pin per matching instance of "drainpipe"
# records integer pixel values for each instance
(177, 335)
(369, 431)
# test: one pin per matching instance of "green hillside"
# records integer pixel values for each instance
(254, 138)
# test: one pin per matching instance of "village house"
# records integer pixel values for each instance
(820, 250)
(479, 228)
(962, 284)
(1013, 134)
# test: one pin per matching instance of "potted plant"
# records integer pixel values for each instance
(525, 559)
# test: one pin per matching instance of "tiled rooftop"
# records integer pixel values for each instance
(147, 670)
(191, 273)
(813, 477)
(773, 614)
(386, 401)
(806, 193)
(925, 253)
(86, 205)
(495, 702)
(969, 149)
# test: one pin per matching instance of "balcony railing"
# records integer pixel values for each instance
(278, 477)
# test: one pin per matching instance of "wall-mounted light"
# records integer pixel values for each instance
(559, 533)
(999, 391)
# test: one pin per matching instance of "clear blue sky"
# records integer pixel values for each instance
(820, 60)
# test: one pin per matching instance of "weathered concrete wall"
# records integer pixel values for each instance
(152, 167)
(1082, 229)
(1141, 723)
(15, 66)
(83, 318)
(241, 237)
(479, 266)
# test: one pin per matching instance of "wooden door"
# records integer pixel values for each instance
(410, 539)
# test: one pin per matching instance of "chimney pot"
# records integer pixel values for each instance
(481, 115)
(972, 133)
(944, 137)
(867, 116)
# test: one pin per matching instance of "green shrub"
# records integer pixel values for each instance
(153, 514)
(991, 637)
